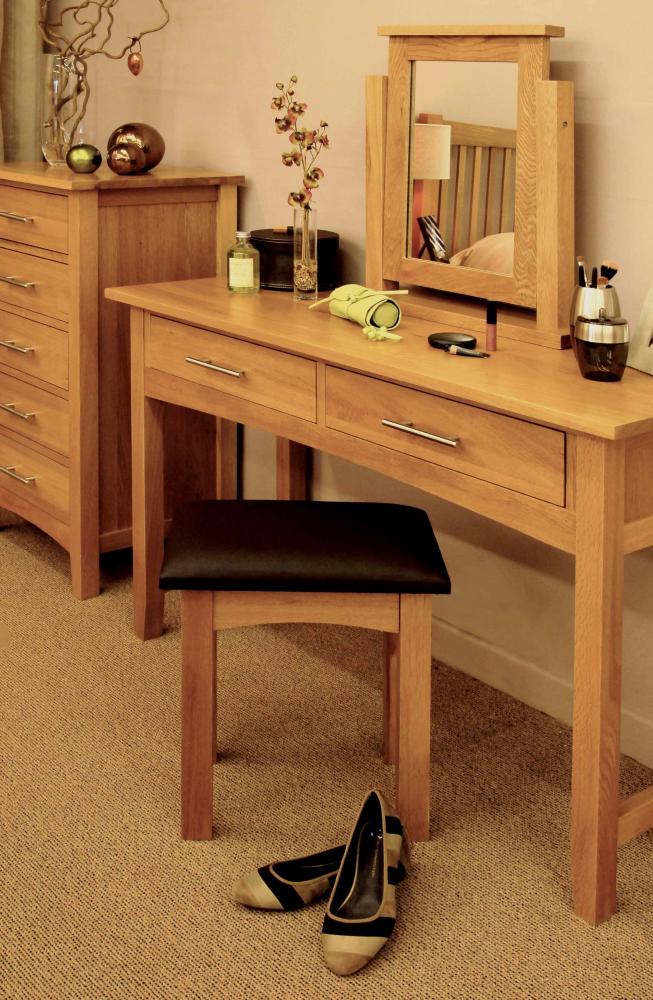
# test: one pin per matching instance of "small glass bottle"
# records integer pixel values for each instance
(243, 265)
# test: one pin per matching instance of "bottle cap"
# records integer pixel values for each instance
(243, 234)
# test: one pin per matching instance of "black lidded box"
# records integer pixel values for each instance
(276, 250)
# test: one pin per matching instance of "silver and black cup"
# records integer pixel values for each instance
(587, 302)
(601, 346)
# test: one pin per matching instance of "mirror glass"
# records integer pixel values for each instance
(461, 201)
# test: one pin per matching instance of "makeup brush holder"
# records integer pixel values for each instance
(588, 302)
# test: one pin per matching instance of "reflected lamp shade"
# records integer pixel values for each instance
(431, 152)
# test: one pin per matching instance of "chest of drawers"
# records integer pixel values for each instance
(64, 350)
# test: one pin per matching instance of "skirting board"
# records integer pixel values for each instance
(528, 683)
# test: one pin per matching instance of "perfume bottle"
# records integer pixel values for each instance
(243, 265)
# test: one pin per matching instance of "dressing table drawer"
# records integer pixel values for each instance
(502, 450)
(41, 481)
(34, 413)
(260, 374)
(34, 218)
(31, 348)
(36, 283)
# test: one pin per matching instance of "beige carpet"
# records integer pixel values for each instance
(100, 899)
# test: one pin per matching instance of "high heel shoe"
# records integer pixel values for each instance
(361, 912)
(289, 885)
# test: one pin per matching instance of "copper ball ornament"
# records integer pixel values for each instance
(134, 148)
(135, 62)
(83, 158)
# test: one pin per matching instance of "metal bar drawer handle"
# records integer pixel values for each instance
(450, 442)
(11, 408)
(13, 346)
(14, 217)
(205, 363)
(16, 281)
(10, 470)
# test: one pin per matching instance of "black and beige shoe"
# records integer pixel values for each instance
(289, 885)
(361, 913)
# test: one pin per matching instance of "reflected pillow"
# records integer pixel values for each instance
(492, 253)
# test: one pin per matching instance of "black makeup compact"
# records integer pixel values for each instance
(443, 341)
(602, 347)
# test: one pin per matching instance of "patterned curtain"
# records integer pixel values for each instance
(20, 80)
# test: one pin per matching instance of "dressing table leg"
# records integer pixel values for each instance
(226, 459)
(292, 470)
(597, 676)
(147, 492)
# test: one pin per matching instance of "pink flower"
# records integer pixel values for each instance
(284, 124)
(298, 136)
(277, 103)
(298, 108)
(299, 199)
(325, 141)
(293, 158)
(313, 177)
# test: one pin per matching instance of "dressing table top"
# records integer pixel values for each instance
(540, 385)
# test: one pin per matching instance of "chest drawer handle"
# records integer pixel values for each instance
(10, 470)
(14, 217)
(11, 408)
(204, 363)
(16, 281)
(13, 346)
(451, 442)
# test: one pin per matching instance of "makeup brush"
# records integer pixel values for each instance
(608, 269)
(581, 272)
(595, 275)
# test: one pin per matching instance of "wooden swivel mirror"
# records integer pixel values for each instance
(470, 178)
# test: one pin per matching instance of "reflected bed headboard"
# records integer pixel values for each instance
(479, 198)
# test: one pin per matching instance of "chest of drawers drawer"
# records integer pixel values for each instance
(34, 283)
(503, 450)
(37, 479)
(261, 375)
(34, 218)
(34, 413)
(30, 348)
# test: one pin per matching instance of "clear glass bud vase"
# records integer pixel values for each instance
(64, 100)
(305, 254)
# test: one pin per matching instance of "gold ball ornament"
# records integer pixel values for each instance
(135, 148)
(135, 62)
(83, 158)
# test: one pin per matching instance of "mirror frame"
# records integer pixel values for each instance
(528, 46)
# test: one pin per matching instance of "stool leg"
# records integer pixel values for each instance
(414, 736)
(197, 714)
(390, 696)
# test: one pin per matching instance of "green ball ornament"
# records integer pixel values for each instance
(84, 158)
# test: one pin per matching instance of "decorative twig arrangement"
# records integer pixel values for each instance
(95, 21)
(308, 143)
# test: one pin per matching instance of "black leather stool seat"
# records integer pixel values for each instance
(296, 545)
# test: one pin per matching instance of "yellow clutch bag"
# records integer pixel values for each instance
(376, 312)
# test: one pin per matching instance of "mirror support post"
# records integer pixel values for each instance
(376, 101)
(555, 201)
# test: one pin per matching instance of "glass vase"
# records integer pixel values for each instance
(64, 101)
(305, 254)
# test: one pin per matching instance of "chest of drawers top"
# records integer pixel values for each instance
(61, 180)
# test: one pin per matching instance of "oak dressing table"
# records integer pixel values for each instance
(539, 449)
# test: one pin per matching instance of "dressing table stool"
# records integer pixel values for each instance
(372, 565)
